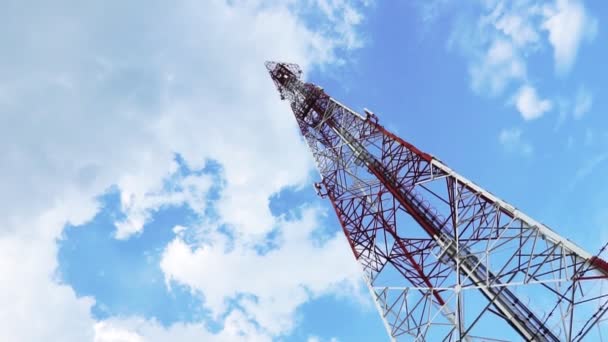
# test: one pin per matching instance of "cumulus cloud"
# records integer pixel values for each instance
(103, 95)
(529, 104)
(271, 288)
(313, 339)
(502, 34)
(518, 27)
(496, 43)
(512, 141)
(28, 295)
(500, 66)
(576, 105)
(431, 10)
(105, 332)
(568, 24)
(237, 327)
(191, 190)
(317, 339)
(345, 17)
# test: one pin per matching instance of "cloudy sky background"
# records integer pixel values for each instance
(156, 189)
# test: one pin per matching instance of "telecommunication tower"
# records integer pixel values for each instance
(444, 259)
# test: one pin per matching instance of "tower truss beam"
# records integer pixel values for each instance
(443, 257)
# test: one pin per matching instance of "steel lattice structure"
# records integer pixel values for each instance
(445, 260)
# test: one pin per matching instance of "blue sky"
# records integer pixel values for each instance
(157, 189)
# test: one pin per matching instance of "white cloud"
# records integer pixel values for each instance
(35, 308)
(582, 103)
(104, 94)
(431, 10)
(512, 141)
(345, 17)
(191, 190)
(237, 327)
(317, 339)
(105, 332)
(518, 27)
(576, 106)
(568, 23)
(500, 66)
(498, 42)
(277, 289)
(529, 105)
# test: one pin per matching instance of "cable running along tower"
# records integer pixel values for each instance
(444, 259)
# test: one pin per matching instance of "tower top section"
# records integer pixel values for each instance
(285, 76)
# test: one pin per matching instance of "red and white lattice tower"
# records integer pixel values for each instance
(444, 259)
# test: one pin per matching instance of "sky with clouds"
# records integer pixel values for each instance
(155, 188)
